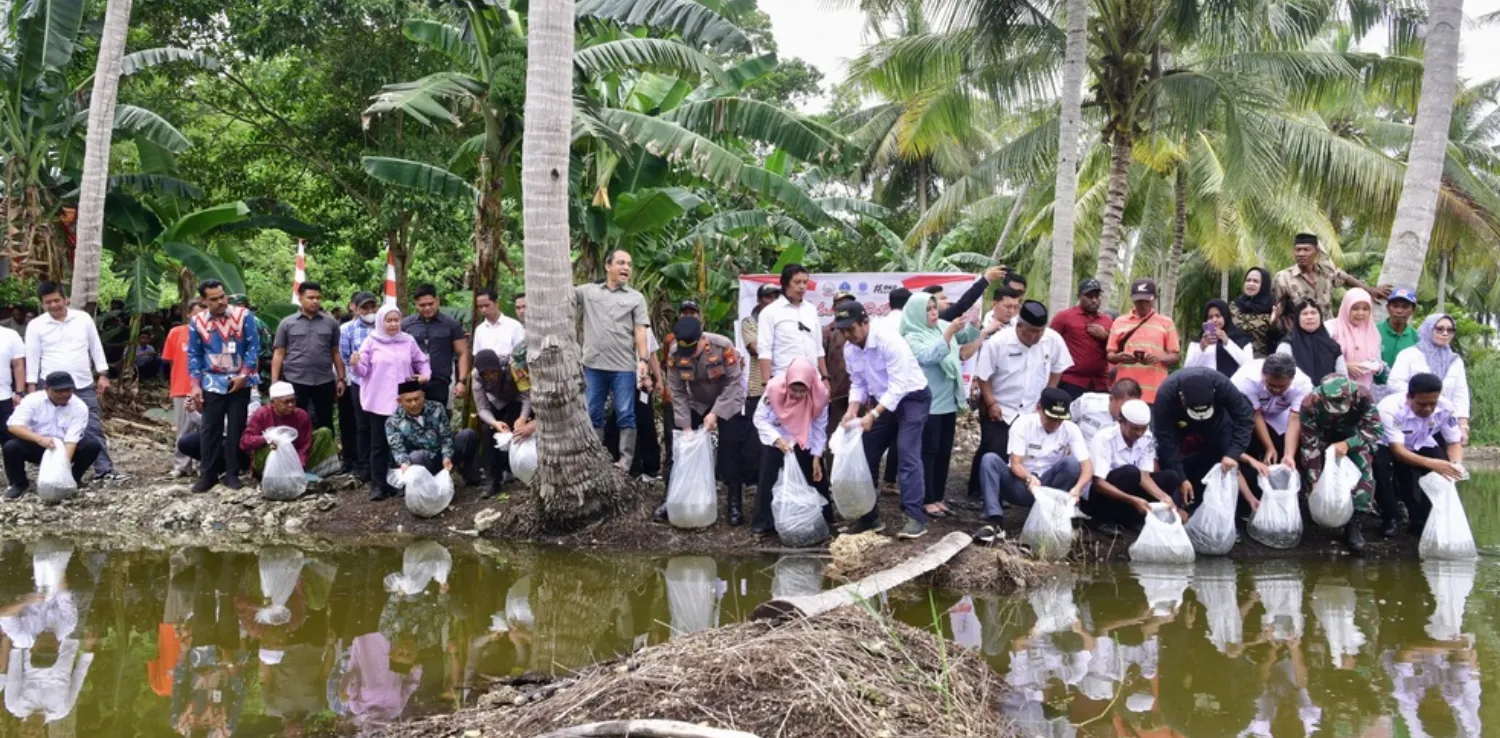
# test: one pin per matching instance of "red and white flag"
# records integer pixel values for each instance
(390, 279)
(300, 274)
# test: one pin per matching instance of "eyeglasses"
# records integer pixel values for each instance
(1445, 331)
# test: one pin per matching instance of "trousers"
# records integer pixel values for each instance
(1399, 482)
(355, 447)
(904, 423)
(937, 454)
(223, 423)
(19, 453)
(90, 396)
(998, 483)
(1128, 479)
(318, 401)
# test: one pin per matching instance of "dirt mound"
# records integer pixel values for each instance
(850, 672)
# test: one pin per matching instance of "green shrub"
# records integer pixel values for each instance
(1484, 389)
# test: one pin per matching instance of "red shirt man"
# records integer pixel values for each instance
(281, 411)
(1086, 332)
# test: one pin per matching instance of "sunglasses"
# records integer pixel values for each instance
(1445, 331)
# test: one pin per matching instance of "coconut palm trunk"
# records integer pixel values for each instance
(95, 181)
(1416, 211)
(1065, 205)
(1114, 213)
(1179, 241)
(575, 482)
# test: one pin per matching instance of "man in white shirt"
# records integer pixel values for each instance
(891, 321)
(53, 415)
(1013, 368)
(1125, 477)
(884, 374)
(1422, 436)
(12, 374)
(1046, 449)
(498, 332)
(790, 328)
(64, 340)
(1095, 411)
(1275, 388)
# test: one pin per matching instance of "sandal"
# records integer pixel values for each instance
(939, 513)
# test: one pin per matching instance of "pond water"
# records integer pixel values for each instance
(103, 642)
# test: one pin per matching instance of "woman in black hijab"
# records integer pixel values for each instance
(1222, 345)
(1254, 311)
(1309, 343)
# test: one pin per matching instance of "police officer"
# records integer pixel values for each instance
(704, 373)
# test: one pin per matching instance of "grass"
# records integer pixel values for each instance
(1484, 389)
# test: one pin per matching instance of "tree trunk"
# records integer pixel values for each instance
(1442, 281)
(1179, 239)
(489, 227)
(1114, 213)
(95, 180)
(1411, 233)
(396, 241)
(575, 481)
(1065, 199)
(1010, 223)
(1224, 286)
(922, 209)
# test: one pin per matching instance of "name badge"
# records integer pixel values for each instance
(229, 347)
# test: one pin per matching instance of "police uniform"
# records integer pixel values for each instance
(705, 375)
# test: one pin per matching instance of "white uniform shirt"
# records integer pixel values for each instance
(1411, 362)
(1276, 410)
(768, 427)
(41, 416)
(1018, 373)
(500, 336)
(1402, 426)
(11, 347)
(69, 345)
(789, 332)
(1040, 450)
(1209, 358)
(1091, 413)
(52, 691)
(1109, 452)
(885, 369)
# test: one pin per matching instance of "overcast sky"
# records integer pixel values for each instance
(827, 39)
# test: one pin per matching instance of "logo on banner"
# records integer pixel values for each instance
(864, 287)
(827, 288)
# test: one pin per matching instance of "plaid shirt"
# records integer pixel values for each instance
(407, 435)
(352, 335)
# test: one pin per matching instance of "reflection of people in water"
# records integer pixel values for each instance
(208, 687)
(45, 665)
(1435, 678)
(291, 675)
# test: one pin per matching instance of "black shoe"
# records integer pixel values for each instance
(204, 485)
(232, 481)
(1389, 528)
(12, 492)
(736, 509)
(379, 493)
(490, 490)
(660, 516)
(1109, 529)
(985, 535)
(1354, 538)
(860, 526)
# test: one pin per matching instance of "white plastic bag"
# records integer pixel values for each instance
(1331, 503)
(853, 488)
(1447, 534)
(280, 568)
(283, 478)
(1278, 521)
(502, 441)
(1052, 601)
(691, 581)
(692, 494)
(422, 563)
(427, 495)
(1451, 582)
(1333, 606)
(797, 507)
(523, 460)
(1163, 540)
(1280, 588)
(54, 478)
(796, 576)
(1049, 525)
(1217, 588)
(1211, 529)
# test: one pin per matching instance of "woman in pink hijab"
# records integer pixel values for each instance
(1354, 330)
(792, 421)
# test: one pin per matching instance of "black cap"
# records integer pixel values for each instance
(848, 314)
(1143, 288)
(842, 295)
(409, 387)
(1034, 313)
(1197, 392)
(687, 332)
(768, 290)
(60, 381)
(360, 298)
(686, 305)
(1089, 286)
(487, 361)
(1301, 238)
(1055, 404)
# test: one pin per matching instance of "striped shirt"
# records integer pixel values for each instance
(1157, 335)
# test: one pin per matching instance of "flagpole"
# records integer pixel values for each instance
(299, 274)
(390, 278)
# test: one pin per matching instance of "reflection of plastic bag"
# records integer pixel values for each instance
(502, 441)
(283, 478)
(1049, 525)
(853, 488)
(1217, 588)
(967, 630)
(426, 494)
(422, 563)
(1451, 582)
(1163, 540)
(1280, 590)
(49, 565)
(1333, 606)
(1053, 603)
(1278, 521)
(797, 575)
(54, 478)
(523, 459)
(692, 494)
(1211, 529)
(280, 568)
(690, 593)
(797, 507)
(1331, 503)
(1447, 534)
(1164, 584)
(518, 604)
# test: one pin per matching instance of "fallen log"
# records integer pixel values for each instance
(645, 729)
(869, 587)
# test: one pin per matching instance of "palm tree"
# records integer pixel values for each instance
(1411, 233)
(575, 482)
(96, 156)
(1069, 125)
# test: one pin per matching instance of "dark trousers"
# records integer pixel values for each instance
(754, 449)
(729, 465)
(892, 461)
(1257, 450)
(1074, 391)
(770, 468)
(318, 401)
(1127, 479)
(1198, 462)
(6, 408)
(19, 453)
(496, 462)
(1398, 482)
(994, 438)
(191, 446)
(937, 454)
(905, 423)
(647, 458)
(223, 424)
(354, 446)
(380, 451)
(465, 446)
(438, 389)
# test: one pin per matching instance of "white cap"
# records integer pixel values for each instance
(271, 657)
(282, 389)
(1135, 412)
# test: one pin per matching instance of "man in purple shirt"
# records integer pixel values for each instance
(1421, 436)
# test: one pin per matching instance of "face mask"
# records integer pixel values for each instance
(367, 319)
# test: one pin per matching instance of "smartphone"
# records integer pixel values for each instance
(1140, 357)
(1209, 329)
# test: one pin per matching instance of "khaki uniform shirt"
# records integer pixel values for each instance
(710, 380)
(1290, 286)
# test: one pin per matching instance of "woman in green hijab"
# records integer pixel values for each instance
(932, 341)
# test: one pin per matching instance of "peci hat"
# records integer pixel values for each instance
(1143, 289)
(1307, 238)
(406, 388)
(849, 314)
(60, 381)
(1197, 396)
(1055, 404)
(688, 332)
(1034, 313)
(1136, 412)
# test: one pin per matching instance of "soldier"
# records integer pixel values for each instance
(704, 373)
